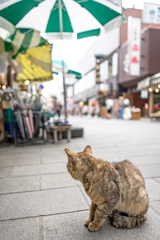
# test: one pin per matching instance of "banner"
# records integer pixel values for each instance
(134, 42)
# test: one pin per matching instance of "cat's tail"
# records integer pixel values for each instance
(121, 221)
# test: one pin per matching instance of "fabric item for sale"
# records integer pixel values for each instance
(31, 120)
(86, 18)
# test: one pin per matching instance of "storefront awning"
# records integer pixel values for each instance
(35, 64)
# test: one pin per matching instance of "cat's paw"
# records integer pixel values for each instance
(92, 227)
(87, 222)
(115, 224)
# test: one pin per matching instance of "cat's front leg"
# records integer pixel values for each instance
(91, 215)
(101, 213)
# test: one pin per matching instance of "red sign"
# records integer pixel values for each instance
(135, 47)
(134, 60)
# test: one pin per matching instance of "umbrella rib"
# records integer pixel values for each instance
(53, 9)
(82, 1)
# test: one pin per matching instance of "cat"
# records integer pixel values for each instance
(117, 190)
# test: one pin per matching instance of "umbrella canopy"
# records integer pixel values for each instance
(68, 16)
(35, 64)
(20, 41)
(58, 65)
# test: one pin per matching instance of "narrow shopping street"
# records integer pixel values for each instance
(39, 199)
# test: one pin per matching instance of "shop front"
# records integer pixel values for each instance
(151, 87)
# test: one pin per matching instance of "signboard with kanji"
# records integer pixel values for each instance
(134, 45)
(151, 13)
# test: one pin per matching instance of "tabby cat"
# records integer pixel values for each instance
(117, 190)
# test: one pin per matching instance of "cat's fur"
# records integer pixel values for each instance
(117, 190)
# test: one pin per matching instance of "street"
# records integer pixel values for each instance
(40, 200)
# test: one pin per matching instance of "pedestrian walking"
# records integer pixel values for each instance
(109, 105)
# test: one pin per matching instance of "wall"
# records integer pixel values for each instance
(105, 44)
(150, 57)
(123, 29)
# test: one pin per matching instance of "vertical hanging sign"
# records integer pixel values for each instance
(97, 70)
(134, 45)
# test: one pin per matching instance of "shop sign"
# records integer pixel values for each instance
(144, 94)
(134, 42)
(155, 81)
(41, 86)
(97, 70)
(143, 84)
(151, 13)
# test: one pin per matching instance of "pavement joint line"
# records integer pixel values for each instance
(40, 190)
(156, 180)
(34, 175)
(155, 200)
(9, 172)
(40, 228)
(84, 196)
(154, 210)
(63, 161)
(48, 215)
(55, 173)
(40, 182)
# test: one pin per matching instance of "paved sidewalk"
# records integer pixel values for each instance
(39, 199)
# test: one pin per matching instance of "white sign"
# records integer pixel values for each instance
(144, 94)
(151, 13)
(134, 45)
(143, 84)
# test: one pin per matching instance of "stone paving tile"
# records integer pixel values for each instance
(16, 162)
(38, 169)
(156, 206)
(20, 184)
(149, 171)
(54, 159)
(4, 171)
(32, 204)
(157, 179)
(30, 155)
(147, 151)
(85, 194)
(10, 156)
(58, 181)
(71, 227)
(143, 160)
(20, 229)
(153, 189)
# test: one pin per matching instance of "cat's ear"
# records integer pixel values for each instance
(68, 152)
(88, 149)
(70, 155)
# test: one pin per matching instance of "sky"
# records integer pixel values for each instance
(73, 50)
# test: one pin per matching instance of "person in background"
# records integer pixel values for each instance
(93, 110)
(109, 105)
(85, 109)
(120, 110)
(58, 109)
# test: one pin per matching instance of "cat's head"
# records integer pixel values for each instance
(76, 162)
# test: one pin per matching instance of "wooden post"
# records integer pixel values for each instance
(9, 76)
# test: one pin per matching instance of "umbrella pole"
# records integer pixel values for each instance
(61, 31)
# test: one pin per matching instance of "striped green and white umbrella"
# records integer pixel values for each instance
(84, 17)
(19, 41)
(59, 66)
